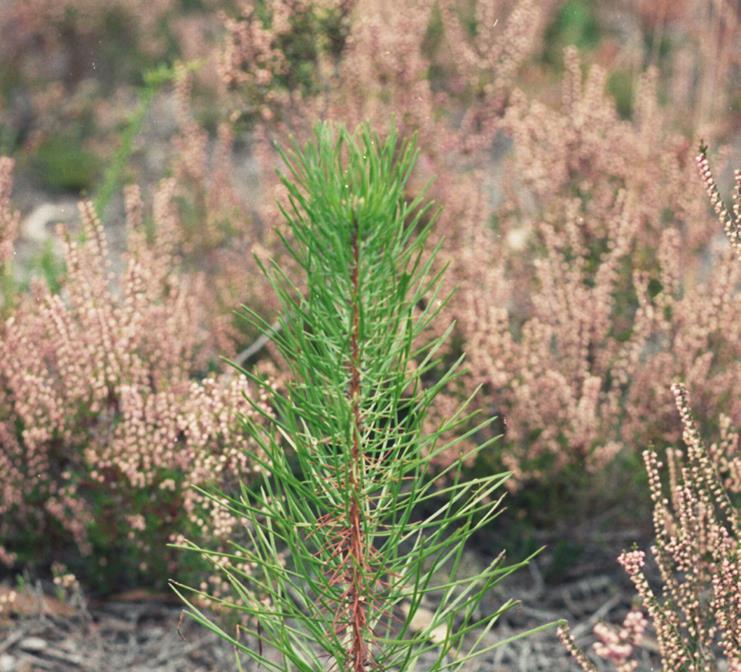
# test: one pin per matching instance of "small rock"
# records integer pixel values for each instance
(7, 663)
(32, 644)
(517, 239)
(422, 620)
(38, 226)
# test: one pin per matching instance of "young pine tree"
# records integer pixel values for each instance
(341, 549)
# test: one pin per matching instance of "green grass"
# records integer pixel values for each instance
(61, 164)
(574, 24)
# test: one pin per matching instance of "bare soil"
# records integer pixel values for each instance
(143, 632)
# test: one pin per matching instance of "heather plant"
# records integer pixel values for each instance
(276, 52)
(386, 62)
(9, 222)
(695, 44)
(61, 57)
(348, 536)
(105, 417)
(219, 227)
(730, 221)
(389, 61)
(695, 616)
(588, 287)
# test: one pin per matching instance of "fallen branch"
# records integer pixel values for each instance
(258, 345)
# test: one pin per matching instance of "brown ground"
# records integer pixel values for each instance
(141, 632)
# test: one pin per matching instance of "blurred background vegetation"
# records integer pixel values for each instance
(95, 96)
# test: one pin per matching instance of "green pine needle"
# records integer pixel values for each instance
(341, 560)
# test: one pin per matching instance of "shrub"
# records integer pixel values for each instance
(695, 616)
(10, 220)
(592, 292)
(61, 58)
(105, 421)
(339, 560)
(275, 53)
(386, 65)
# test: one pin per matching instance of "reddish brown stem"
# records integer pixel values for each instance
(358, 615)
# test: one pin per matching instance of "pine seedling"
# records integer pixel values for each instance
(350, 539)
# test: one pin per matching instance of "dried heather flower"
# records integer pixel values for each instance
(567, 640)
(573, 332)
(616, 645)
(695, 615)
(731, 221)
(697, 527)
(9, 217)
(105, 422)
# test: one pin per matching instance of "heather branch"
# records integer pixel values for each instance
(730, 221)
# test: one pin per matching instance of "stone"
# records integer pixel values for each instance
(32, 644)
(38, 226)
